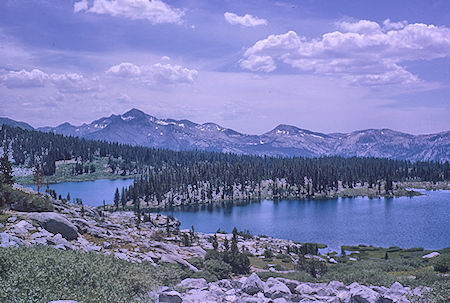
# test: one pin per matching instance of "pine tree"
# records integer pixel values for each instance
(226, 244)
(167, 226)
(215, 243)
(116, 198)
(234, 243)
(37, 176)
(6, 171)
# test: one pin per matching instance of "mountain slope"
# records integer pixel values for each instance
(138, 128)
(14, 123)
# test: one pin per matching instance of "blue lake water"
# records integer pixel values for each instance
(91, 192)
(422, 221)
(406, 222)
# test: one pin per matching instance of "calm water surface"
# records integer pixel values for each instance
(406, 222)
(422, 221)
(91, 192)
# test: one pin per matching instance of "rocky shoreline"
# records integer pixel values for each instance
(279, 290)
(159, 240)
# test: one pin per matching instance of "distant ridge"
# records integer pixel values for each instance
(14, 123)
(138, 128)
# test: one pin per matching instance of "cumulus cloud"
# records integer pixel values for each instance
(246, 20)
(363, 52)
(157, 73)
(23, 78)
(155, 11)
(66, 82)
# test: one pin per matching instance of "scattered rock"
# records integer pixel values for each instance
(7, 240)
(177, 259)
(362, 294)
(275, 289)
(170, 297)
(431, 255)
(12, 219)
(253, 285)
(190, 283)
(56, 224)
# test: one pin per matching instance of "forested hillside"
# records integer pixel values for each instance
(194, 176)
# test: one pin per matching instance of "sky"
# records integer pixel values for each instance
(327, 66)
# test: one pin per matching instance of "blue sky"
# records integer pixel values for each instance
(329, 66)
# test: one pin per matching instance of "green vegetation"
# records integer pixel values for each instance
(403, 265)
(64, 172)
(220, 264)
(22, 201)
(43, 274)
(196, 176)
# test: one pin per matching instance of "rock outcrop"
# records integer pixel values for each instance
(277, 290)
(56, 224)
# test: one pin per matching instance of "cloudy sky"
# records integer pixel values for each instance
(248, 65)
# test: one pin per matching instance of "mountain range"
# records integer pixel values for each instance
(138, 128)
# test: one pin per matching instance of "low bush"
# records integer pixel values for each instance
(43, 274)
(442, 264)
(22, 201)
(219, 268)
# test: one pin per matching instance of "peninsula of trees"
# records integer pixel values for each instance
(183, 177)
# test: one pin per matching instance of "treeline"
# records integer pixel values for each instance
(208, 174)
(291, 177)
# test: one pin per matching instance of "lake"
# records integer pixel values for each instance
(91, 192)
(422, 221)
(406, 222)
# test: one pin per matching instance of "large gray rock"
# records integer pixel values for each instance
(363, 294)
(304, 289)
(274, 289)
(253, 285)
(172, 258)
(190, 283)
(170, 297)
(396, 293)
(6, 240)
(56, 224)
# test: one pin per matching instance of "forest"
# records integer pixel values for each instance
(194, 175)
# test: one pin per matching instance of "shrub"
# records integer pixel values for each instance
(197, 262)
(44, 274)
(268, 254)
(22, 201)
(240, 264)
(213, 255)
(442, 264)
(207, 275)
(219, 268)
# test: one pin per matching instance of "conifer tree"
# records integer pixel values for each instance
(116, 198)
(37, 176)
(6, 171)
(215, 243)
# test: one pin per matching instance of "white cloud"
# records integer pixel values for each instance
(66, 82)
(154, 11)
(259, 63)
(362, 52)
(157, 73)
(246, 20)
(23, 78)
(80, 6)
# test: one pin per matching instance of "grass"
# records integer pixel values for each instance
(43, 274)
(403, 265)
(371, 252)
(63, 173)
(263, 263)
